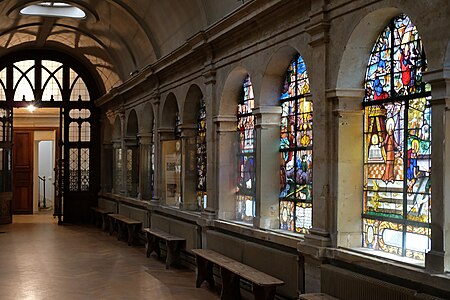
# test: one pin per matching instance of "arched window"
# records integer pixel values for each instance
(245, 196)
(201, 155)
(397, 144)
(296, 150)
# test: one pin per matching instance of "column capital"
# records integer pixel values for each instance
(318, 33)
(267, 116)
(225, 123)
(145, 138)
(346, 100)
(209, 75)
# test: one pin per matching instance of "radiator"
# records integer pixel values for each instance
(347, 285)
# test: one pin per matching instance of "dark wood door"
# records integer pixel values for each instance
(23, 172)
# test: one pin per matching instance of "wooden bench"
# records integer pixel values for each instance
(100, 216)
(119, 221)
(173, 244)
(263, 285)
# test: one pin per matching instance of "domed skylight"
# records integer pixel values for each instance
(53, 9)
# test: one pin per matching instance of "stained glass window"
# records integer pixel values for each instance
(397, 144)
(245, 196)
(296, 150)
(201, 155)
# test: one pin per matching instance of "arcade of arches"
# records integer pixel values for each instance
(289, 135)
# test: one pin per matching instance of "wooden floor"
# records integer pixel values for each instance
(41, 260)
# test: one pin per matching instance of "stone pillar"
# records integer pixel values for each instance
(212, 148)
(226, 166)
(348, 161)
(123, 188)
(145, 166)
(189, 167)
(438, 258)
(323, 222)
(267, 140)
(157, 144)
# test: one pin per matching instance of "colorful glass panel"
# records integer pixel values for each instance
(201, 156)
(397, 145)
(245, 206)
(296, 150)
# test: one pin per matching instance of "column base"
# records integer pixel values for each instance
(435, 261)
(155, 201)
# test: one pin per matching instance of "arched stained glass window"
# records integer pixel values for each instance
(397, 144)
(296, 150)
(245, 196)
(201, 155)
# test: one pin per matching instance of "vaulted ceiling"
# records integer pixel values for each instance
(117, 36)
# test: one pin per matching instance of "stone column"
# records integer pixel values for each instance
(267, 139)
(212, 148)
(438, 258)
(189, 167)
(348, 161)
(226, 166)
(157, 144)
(145, 166)
(123, 189)
(323, 223)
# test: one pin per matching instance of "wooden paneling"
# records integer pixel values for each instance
(23, 172)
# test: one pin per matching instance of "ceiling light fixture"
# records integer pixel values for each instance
(53, 9)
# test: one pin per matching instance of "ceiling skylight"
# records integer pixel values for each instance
(53, 9)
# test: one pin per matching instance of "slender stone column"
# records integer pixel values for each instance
(267, 127)
(438, 259)
(227, 166)
(212, 146)
(145, 166)
(189, 167)
(123, 189)
(157, 144)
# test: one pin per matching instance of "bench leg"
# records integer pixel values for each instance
(204, 272)
(230, 285)
(173, 252)
(264, 292)
(153, 245)
(120, 230)
(111, 225)
(104, 223)
(131, 232)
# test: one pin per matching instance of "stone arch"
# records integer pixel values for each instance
(231, 90)
(169, 112)
(146, 119)
(191, 105)
(353, 64)
(274, 75)
(132, 125)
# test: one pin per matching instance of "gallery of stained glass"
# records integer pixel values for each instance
(296, 150)
(397, 144)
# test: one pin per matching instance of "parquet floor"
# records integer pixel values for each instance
(41, 260)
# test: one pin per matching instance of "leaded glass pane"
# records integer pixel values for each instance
(245, 207)
(80, 113)
(78, 88)
(296, 143)
(201, 156)
(24, 80)
(74, 134)
(3, 85)
(84, 168)
(397, 145)
(51, 80)
(85, 132)
(117, 169)
(73, 169)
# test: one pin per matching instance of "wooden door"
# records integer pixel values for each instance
(23, 172)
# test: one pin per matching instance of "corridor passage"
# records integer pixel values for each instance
(41, 260)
